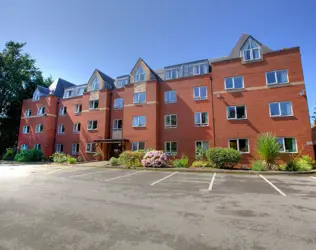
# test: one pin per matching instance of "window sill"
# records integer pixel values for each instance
(236, 119)
(170, 102)
(116, 130)
(281, 116)
(276, 85)
(202, 99)
(61, 133)
(78, 114)
(235, 89)
(139, 126)
(170, 127)
(118, 108)
(251, 61)
(199, 126)
(92, 129)
(89, 152)
(93, 109)
(139, 103)
(171, 154)
(38, 132)
(281, 152)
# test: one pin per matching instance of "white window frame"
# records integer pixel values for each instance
(238, 144)
(38, 146)
(76, 129)
(94, 102)
(168, 73)
(199, 97)
(121, 83)
(28, 113)
(170, 153)
(201, 141)
(115, 125)
(201, 124)
(136, 145)
(78, 110)
(36, 96)
(120, 104)
(63, 110)
(90, 145)
(280, 114)
(61, 129)
(68, 93)
(59, 148)
(38, 130)
(75, 146)
(170, 125)
(24, 147)
(95, 85)
(91, 123)
(284, 149)
(138, 118)
(26, 130)
(251, 51)
(167, 96)
(138, 76)
(198, 67)
(136, 100)
(41, 111)
(276, 77)
(233, 78)
(235, 107)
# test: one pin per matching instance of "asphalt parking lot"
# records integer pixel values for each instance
(45, 207)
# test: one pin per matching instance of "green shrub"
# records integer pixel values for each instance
(31, 155)
(183, 162)
(62, 158)
(303, 163)
(131, 158)
(71, 160)
(200, 164)
(268, 149)
(114, 161)
(291, 166)
(200, 154)
(258, 166)
(282, 167)
(9, 154)
(223, 157)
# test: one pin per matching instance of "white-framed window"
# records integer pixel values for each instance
(280, 109)
(95, 85)
(170, 96)
(68, 93)
(117, 125)
(139, 75)
(61, 129)
(39, 128)
(93, 104)
(139, 97)
(171, 148)
(24, 147)
(92, 125)
(41, 110)
(138, 146)
(170, 121)
(76, 127)
(201, 119)
(236, 82)
(38, 146)
(28, 113)
(202, 144)
(287, 145)
(118, 103)
(200, 93)
(200, 69)
(236, 112)
(75, 148)
(63, 110)
(139, 121)
(78, 109)
(277, 77)
(250, 51)
(59, 148)
(172, 73)
(91, 147)
(26, 130)
(241, 145)
(81, 91)
(36, 96)
(121, 83)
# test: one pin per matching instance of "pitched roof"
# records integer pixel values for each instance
(43, 90)
(151, 70)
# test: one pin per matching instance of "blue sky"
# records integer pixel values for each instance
(70, 38)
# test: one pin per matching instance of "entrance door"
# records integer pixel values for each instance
(115, 149)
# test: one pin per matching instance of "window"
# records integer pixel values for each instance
(39, 128)
(81, 91)
(63, 110)
(76, 127)
(28, 112)
(37, 146)
(117, 125)
(121, 83)
(251, 50)
(139, 97)
(93, 104)
(236, 82)
(68, 93)
(201, 119)
(90, 148)
(280, 109)
(59, 148)
(24, 147)
(41, 110)
(172, 73)
(75, 148)
(202, 144)
(92, 125)
(287, 145)
(170, 121)
(61, 129)
(78, 109)
(170, 96)
(118, 103)
(140, 75)
(200, 69)
(239, 144)
(95, 85)
(236, 112)
(138, 146)
(171, 148)
(277, 77)
(139, 121)
(26, 130)
(200, 93)
(36, 96)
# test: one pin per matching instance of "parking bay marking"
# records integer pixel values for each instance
(68, 169)
(154, 183)
(212, 182)
(97, 172)
(272, 185)
(122, 176)
(313, 177)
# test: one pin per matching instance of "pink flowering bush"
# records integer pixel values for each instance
(154, 159)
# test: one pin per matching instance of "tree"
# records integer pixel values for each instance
(19, 78)
(268, 149)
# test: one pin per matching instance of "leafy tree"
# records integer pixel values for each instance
(268, 149)
(19, 77)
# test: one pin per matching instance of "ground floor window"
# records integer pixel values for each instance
(202, 144)
(138, 146)
(37, 146)
(90, 148)
(75, 148)
(287, 145)
(171, 148)
(23, 147)
(59, 148)
(241, 145)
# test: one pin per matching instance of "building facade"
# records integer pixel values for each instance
(224, 102)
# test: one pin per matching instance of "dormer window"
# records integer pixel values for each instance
(36, 96)
(250, 50)
(68, 93)
(140, 75)
(95, 85)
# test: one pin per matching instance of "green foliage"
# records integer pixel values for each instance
(96, 155)
(223, 157)
(268, 149)
(258, 166)
(200, 164)
(200, 154)
(183, 162)
(282, 167)
(31, 155)
(114, 161)
(62, 158)
(72, 160)
(131, 158)
(9, 154)
(303, 163)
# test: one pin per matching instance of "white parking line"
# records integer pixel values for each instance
(68, 169)
(272, 185)
(97, 172)
(122, 176)
(313, 177)
(163, 179)
(212, 182)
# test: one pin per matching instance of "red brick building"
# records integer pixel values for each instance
(225, 102)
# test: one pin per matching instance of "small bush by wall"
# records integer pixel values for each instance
(31, 155)
(154, 159)
(114, 161)
(200, 164)
(62, 158)
(9, 154)
(223, 157)
(183, 162)
(131, 158)
(258, 166)
(303, 163)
